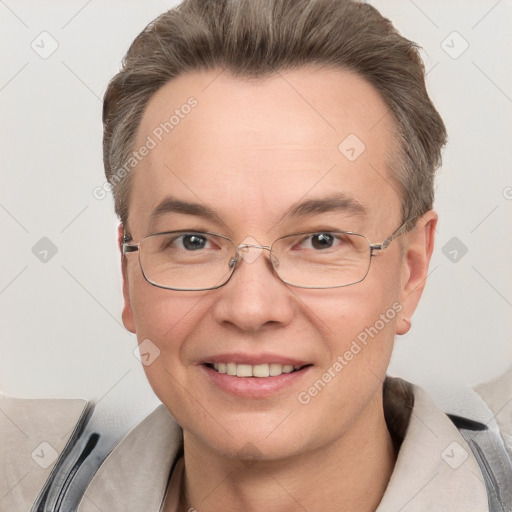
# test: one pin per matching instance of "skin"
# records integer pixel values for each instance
(250, 150)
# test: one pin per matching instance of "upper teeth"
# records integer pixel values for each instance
(255, 370)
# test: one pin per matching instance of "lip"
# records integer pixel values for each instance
(241, 358)
(254, 387)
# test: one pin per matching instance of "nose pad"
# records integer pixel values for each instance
(233, 262)
(250, 250)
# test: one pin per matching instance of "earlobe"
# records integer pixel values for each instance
(419, 245)
(127, 315)
(403, 325)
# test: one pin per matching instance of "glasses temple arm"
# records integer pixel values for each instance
(402, 229)
(129, 248)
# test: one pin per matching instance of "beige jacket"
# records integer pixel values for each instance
(436, 470)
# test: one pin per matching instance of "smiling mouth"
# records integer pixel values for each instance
(256, 370)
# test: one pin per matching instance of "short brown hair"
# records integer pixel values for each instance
(256, 38)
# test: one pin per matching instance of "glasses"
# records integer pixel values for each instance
(194, 260)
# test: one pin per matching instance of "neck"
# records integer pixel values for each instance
(351, 473)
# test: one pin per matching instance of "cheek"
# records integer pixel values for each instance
(358, 333)
(362, 335)
(357, 325)
(164, 321)
(158, 313)
(341, 314)
(166, 318)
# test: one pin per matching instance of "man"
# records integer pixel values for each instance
(272, 165)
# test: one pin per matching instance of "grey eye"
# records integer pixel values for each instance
(322, 240)
(193, 242)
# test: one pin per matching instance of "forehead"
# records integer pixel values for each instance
(252, 147)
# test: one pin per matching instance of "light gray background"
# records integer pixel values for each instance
(61, 331)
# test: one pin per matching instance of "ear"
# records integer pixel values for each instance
(127, 316)
(417, 251)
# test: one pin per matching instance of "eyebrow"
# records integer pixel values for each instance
(334, 203)
(172, 205)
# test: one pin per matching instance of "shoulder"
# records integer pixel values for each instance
(135, 474)
(497, 394)
(34, 434)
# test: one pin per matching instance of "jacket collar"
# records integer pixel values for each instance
(435, 468)
(135, 474)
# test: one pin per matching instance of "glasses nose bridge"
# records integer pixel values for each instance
(242, 252)
(254, 246)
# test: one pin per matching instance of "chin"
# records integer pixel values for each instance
(256, 437)
(250, 449)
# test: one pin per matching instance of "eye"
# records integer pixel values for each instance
(182, 242)
(192, 241)
(321, 241)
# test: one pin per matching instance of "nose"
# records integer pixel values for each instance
(255, 296)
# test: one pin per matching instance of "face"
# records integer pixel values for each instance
(249, 152)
